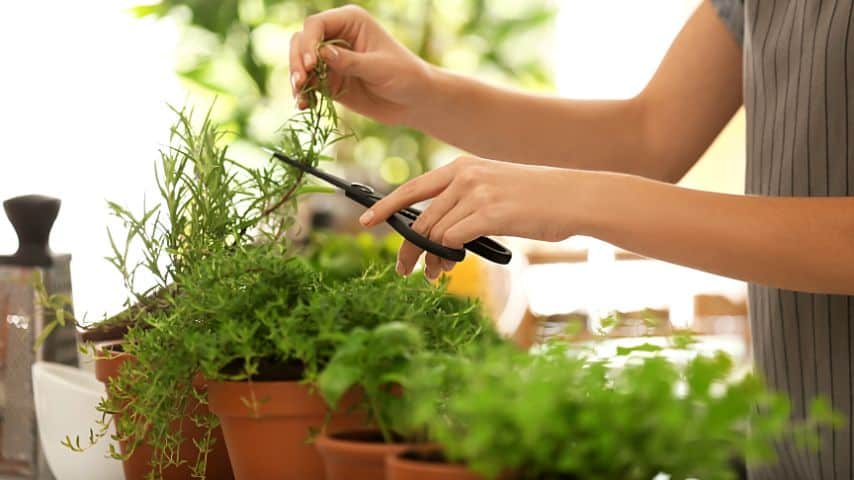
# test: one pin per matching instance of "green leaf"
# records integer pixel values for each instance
(305, 189)
(156, 9)
(645, 347)
(335, 380)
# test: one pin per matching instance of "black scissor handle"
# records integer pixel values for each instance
(484, 247)
(490, 249)
(403, 226)
(402, 221)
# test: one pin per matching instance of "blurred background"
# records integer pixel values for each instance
(86, 84)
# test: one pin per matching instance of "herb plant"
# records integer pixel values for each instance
(209, 202)
(340, 257)
(212, 209)
(231, 300)
(400, 322)
(560, 414)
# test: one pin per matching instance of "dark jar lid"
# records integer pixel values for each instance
(32, 217)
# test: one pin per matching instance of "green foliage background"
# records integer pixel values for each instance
(619, 420)
(237, 51)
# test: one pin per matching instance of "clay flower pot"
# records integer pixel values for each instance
(137, 466)
(267, 425)
(425, 465)
(356, 454)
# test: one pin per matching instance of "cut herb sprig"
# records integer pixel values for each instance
(310, 132)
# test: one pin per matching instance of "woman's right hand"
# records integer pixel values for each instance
(375, 76)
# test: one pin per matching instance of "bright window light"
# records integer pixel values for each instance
(84, 95)
(609, 49)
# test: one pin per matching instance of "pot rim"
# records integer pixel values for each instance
(107, 361)
(274, 399)
(329, 442)
(432, 468)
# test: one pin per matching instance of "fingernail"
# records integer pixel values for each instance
(308, 60)
(332, 51)
(294, 80)
(366, 217)
(431, 275)
(447, 265)
(399, 268)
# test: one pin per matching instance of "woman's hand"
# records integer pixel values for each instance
(473, 197)
(376, 76)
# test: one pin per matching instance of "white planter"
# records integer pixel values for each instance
(65, 400)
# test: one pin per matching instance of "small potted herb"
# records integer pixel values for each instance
(560, 415)
(254, 364)
(416, 322)
(208, 204)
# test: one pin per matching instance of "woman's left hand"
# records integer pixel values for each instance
(473, 197)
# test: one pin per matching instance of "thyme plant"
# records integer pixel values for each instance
(258, 314)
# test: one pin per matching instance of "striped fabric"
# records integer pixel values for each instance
(800, 142)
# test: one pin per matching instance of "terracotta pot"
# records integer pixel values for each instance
(269, 441)
(356, 454)
(406, 466)
(137, 466)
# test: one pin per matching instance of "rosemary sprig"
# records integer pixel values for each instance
(310, 132)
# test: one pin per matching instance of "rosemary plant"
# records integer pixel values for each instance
(210, 208)
(209, 202)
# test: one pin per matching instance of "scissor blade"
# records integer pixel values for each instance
(327, 177)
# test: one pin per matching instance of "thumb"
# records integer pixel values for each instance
(349, 63)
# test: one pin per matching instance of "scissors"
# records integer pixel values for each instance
(403, 219)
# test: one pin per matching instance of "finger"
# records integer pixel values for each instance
(407, 258)
(461, 211)
(432, 266)
(337, 85)
(421, 188)
(366, 66)
(313, 33)
(344, 23)
(438, 208)
(448, 265)
(295, 65)
(437, 232)
(465, 230)
(409, 253)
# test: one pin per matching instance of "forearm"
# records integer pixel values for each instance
(659, 134)
(804, 244)
(520, 127)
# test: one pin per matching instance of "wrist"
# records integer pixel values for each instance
(596, 201)
(434, 97)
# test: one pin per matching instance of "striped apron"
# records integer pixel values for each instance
(800, 142)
